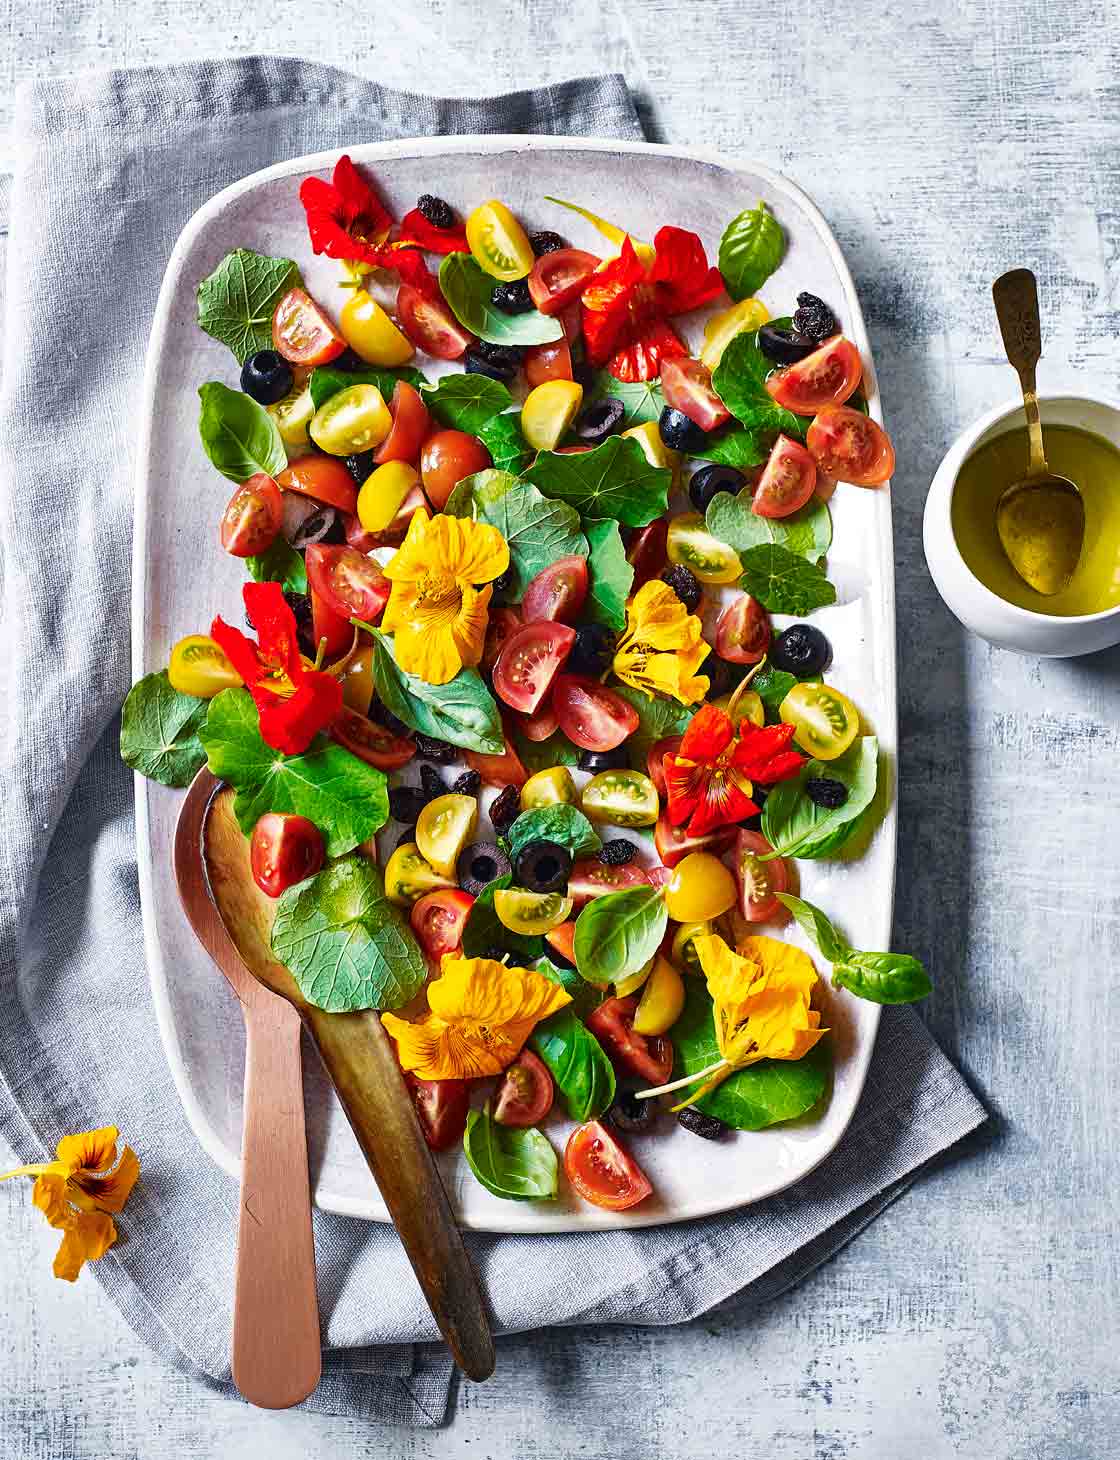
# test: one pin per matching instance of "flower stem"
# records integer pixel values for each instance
(683, 1081)
(741, 687)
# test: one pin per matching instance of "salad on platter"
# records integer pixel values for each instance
(522, 756)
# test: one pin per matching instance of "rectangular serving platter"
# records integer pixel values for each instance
(181, 578)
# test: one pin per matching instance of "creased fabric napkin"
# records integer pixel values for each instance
(110, 167)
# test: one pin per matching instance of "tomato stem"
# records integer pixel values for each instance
(720, 1064)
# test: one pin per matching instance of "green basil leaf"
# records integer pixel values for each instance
(344, 797)
(238, 435)
(577, 1062)
(542, 755)
(740, 382)
(560, 823)
(807, 532)
(751, 248)
(484, 930)
(463, 712)
(771, 686)
(657, 719)
(468, 290)
(512, 1162)
(504, 440)
(344, 942)
(737, 445)
(237, 301)
(466, 402)
(612, 576)
(584, 996)
(326, 382)
(642, 399)
(159, 731)
(619, 932)
(797, 827)
(759, 1095)
(817, 925)
(783, 581)
(279, 563)
(614, 480)
(537, 531)
(883, 978)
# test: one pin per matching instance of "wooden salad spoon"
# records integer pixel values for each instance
(359, 1059)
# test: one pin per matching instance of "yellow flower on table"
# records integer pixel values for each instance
(481, 1012)
(437, 610)
(663, 646)
(77, 1191)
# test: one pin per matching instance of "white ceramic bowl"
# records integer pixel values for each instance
(977, 607)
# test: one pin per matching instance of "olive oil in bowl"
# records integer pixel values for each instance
(1087, 459)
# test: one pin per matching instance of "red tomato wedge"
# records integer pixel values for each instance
(851, 446)
(371, 742)
(647, 553)
(827, 377)
(357, 537)
(438, 919)
(529, 662)
(743, 631)
(330, 629)
(284, 850)
(503, 623)
(352, 584)
(498, 770)
(557, 592)
(430, 325)
(324, 478)
(540, 726)
(441, 1106)
(548, 362)
(411, 425)
(562, 940)
(602, 1170)
(688, 387)
(787, 481)
(673, 843)
(591, 716)
(302, 332)
(253, 517)
(650, 1058)
(559, 277)
(759, 882)
(526, 1093)
(591, 878)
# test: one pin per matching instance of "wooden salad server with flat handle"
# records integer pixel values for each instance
(359, 1059)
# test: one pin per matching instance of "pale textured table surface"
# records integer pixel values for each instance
(978, 1317)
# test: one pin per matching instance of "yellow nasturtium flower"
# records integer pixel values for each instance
(663, 646)
(481, 1012)
(437, 611)
(77, 1191)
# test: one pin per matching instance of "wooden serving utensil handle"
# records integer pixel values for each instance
(1016, 299)
(276, 1353)
(359, 1059)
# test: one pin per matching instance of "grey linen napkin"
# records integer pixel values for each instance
(110, 167)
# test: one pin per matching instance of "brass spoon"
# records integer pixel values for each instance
(1041, 518)
(359, 1059)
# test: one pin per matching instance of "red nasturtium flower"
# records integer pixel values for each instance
(295, 702)
(626, 308)
(417, 231)
(710, 778)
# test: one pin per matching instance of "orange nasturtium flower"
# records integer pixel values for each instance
(663, 646)
(77, 1191)
(481, 1012)
(437, 612)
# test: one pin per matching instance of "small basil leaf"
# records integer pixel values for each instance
(484, 931)
(512, 1163)
(617, 933)
(563, 824)
(326, 382)
(796, 826)
(279, 563)
(883, 978)
(750, 250)
(817, 925)
(577, 1062)
(468, 290)
(462, 712)
(238, 434)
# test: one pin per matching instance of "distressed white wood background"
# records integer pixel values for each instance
(978, 1317)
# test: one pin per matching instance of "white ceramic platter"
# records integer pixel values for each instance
(182, 578)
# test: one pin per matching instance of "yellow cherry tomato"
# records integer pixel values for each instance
(683, 952)
(531, 912)
(656, 452)
(633, 981)
(825, 721)
(662, 1000)
(370, 333)
(623, 798)
(357, 680)
(548, 411)
(749, 707)
(700, 888)
(408, 876)
(382, 493)
(443, 829)
(722, 328)
(499, 242)
(293, 413)
(199, 667)
(691, 544)
(549, 788)
(355, 419)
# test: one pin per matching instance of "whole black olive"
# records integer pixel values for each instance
(266, 376)
(801, 650)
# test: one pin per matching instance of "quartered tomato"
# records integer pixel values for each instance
(503, 623)
(661, 1001)
(602, 1170)
(438, 919)
(253, 517)
(688, 387)
(441, 1106)
(526, 1093)
(654, 761)
(826, 722)
(499, 770)
(302, 332)
(551, 787)
(333, 631)
(352, 585)
(371, 742)
(359, 537)
(847, 444)
(827, 377)
(646, 553)
(558, 591)
(529, 913)
(621, 798)
(548, 362)
(529, 662)
(381, 497)
(759, 882)
(370, 332)
(324, 478)
(199, 667)
(430, 325)
(350, 421)
(673, 843)
(540, 725)
(612, 1024)
(743, 631)
(591, 716)
(411, 425)
(499, 242)
(700, 888)
(548, 411)
(787, 481)
(562, 939)
(284, 850)
(559, 277)
(445, 459)
(444, 828)
(692, 545)
(591, 878)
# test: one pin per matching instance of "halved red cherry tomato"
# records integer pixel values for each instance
(503, 623)
(446, 458)
(430, 325)
(647, 553)
(827, 377)
(253, 517)
(673, 843)
(357, 537)
(411, 424)
(590, 878)
(559, 277)
(601, 1169)
(330, 629)
(352, 584)
(539, 726)
(526, 1093)
(654, 758)
(759, 882)
(498, 770)
(323, 477)
(558, 591)
(442, 1107)
(688, 387)
(284, 850)
(302, 332)
(548, 362)
(371, 742)
(562, 940)
(529, 662)
(650, 1058)
(787, 482)
(592, 717)
(438, 919)
(743, 631)
(849, 445)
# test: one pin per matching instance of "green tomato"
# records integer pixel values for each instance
(693, 546)
(355, 419)
(549, 788)
(408, 875)
(531, 912)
